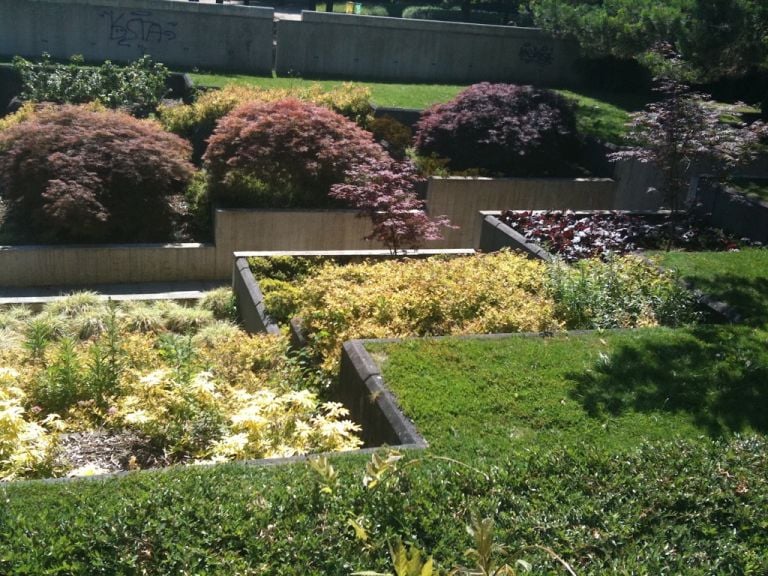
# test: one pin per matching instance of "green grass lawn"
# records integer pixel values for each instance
(600, 114)
(612, 391)
(383, 94)
(736, 278)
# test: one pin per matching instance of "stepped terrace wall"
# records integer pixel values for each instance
(346, 46)
(176, 33)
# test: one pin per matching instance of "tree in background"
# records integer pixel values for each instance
(716, 38)
(682, 129)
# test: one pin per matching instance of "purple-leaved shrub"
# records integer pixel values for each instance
(284, 154)
(385, 192)
(502, 129)
(79, 174)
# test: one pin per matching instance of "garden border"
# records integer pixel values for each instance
(496, 235)
(250, 300)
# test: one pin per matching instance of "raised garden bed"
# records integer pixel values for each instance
(574, 235)
(89, 387)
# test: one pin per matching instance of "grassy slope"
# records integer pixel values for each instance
(737, 278)
(602, 115)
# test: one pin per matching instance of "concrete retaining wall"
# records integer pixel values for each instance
(368, 47)
(462, 199)
(361, 389)
(107, 264)
(174, 32)
(731, 211)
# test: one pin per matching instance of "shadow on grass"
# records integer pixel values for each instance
(748, 296)
(716, 374)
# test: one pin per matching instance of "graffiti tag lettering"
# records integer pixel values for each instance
(539, 55)
(137, 27)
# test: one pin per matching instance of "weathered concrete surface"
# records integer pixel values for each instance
(370, 47)
(174, 32)
(462, 199)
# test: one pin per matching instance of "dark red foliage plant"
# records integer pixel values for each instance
(385, 192)
(502, 129)
(79, 174)
(284, 154)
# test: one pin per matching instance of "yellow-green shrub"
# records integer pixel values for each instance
(501, 292)
(26, 446)
(201, 116)
(188, 396)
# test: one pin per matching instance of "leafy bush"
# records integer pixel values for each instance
(197, 121)
(284, 154)
(208, 391)
(574, 236)
(74, 174)
(385, 192)
(665, 507)
(502, 129)
(489, 293)
(453, 15)
(137, 87)
(623, 292)
(394, 136)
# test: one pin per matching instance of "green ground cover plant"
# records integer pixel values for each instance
(738, 278)
(501, 292)
(137, 87)
(614, 500)
(611, 390)
(89, 387)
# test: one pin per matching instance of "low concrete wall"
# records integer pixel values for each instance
(496, 235)
(176, 33)
(106, 264)
(369, 47)
(462, 199)
(361, 389)
(731, 211)
(264, 230)
(250, 300)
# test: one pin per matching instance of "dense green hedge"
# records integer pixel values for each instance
(673, 508)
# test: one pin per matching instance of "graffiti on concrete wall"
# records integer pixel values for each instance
(138, 28)
(537, 55)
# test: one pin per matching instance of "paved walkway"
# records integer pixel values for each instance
(152, 291)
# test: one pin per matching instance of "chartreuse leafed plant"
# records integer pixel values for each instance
(502, 292)
(164, 382)
(621, 292)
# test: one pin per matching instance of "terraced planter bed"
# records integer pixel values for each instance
(88, 387)
(576, 235)
(466, 295)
